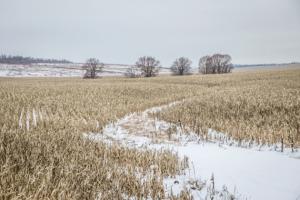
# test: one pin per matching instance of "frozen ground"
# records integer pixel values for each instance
(74, 70)
(39, 70)
(245, 173)
(60, 70)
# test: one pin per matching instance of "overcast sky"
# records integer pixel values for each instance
(119, 31)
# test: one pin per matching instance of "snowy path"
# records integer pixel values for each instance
(256, 175)
(247, 173)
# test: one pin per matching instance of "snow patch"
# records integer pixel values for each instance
(242, 173)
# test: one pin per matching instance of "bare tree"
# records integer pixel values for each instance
(215, 64)
(133, 72)
(148, 65)
(92, 67)
(181, 66)
(203, 67)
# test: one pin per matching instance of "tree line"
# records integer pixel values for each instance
(148, 66)
(17, 60)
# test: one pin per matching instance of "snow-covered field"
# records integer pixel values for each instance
(75, 70)
(60, 70)
(257, 173)
(47, 70)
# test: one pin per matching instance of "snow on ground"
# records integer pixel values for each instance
(60, 70)
(247, 173)
(37, 70)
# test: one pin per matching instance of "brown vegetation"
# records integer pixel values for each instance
(44, 156)
(259, 107)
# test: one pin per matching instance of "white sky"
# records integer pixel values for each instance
(118, 31)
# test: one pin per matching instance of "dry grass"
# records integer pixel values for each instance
(259, 107)
(43, 154)
(59, 165)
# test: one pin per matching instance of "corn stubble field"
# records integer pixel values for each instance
(43, 154)
(256, 108)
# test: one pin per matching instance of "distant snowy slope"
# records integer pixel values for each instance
(60, 70)
(39, 71)
(50, 70)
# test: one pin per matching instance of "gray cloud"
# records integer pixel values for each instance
(256, 31)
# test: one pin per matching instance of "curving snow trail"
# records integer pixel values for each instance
(247, 173)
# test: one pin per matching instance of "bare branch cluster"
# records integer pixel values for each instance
(92, 67)
(133, 72)
(148, 65)
(181, 66)
(215, 64)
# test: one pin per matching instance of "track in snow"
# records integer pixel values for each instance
(257, 175)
